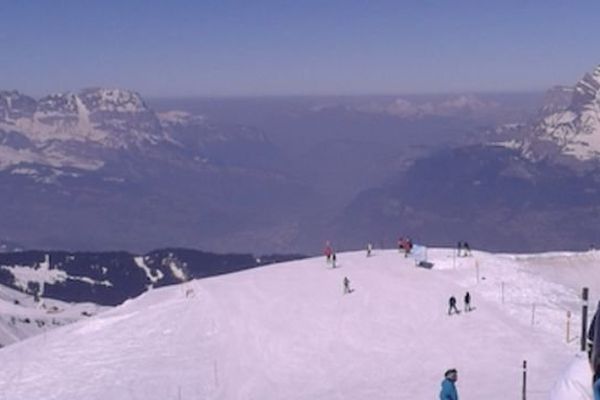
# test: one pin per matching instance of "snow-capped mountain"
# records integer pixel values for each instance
(570, 122)
(101, 158)
(288, 332)
(62, 130)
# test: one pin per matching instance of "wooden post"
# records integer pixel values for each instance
(524, 379)
(584, 315)
(568, 326)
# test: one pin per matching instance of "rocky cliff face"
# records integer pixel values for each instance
(569, 124)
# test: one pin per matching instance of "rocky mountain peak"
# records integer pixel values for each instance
(112, 100)
(569, 123)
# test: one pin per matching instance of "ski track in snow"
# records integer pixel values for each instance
(287, 331)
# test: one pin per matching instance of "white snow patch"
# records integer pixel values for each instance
(139, 261)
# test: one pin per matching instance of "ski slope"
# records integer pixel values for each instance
(286, 331)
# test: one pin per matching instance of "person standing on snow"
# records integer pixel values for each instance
(347, 285)
(467, 249)
(369, 249)
(448, 391)
(452, 305)
(459, 247)
(333, 260)
(467, 302)
(328, 252)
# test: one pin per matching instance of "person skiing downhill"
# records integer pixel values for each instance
(468, 302)
(448, 391)
(347, 285)
(452, 305)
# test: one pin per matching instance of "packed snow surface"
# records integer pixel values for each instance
(287, 331)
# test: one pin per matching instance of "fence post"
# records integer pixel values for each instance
(524, 379)
(568, 326)
(584, 314)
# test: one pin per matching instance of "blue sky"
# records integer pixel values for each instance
(254, 47)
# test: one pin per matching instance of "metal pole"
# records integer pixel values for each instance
(524, 379)
(568, 326)
(584, 314)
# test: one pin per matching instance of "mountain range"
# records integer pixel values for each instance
(510, 192)
(100, 169)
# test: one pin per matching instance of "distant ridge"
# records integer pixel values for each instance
(109, 278)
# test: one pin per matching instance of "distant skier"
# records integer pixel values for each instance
(459, 247)
(369, 249)
(468, 302)
(448, 391)
(452, 306)
(405, 244)
(328, 252)
(400, 244)
(467, 249)
(333, 260)
(347, 285)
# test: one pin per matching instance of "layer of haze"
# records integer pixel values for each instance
(247, 48)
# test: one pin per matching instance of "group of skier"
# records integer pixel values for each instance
(452, 304)
(448, 387)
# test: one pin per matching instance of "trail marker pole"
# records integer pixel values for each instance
(584, 314)
(524, 379)
(568, 326)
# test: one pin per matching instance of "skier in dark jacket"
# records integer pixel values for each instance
(347, 285)
(448, 391)
(468, 302)
(467, 249)
(459, 247)
(452, 305)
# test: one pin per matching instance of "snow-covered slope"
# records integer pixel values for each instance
(288, 332)
(21, 316)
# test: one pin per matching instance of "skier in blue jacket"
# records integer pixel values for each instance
(448, 388)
